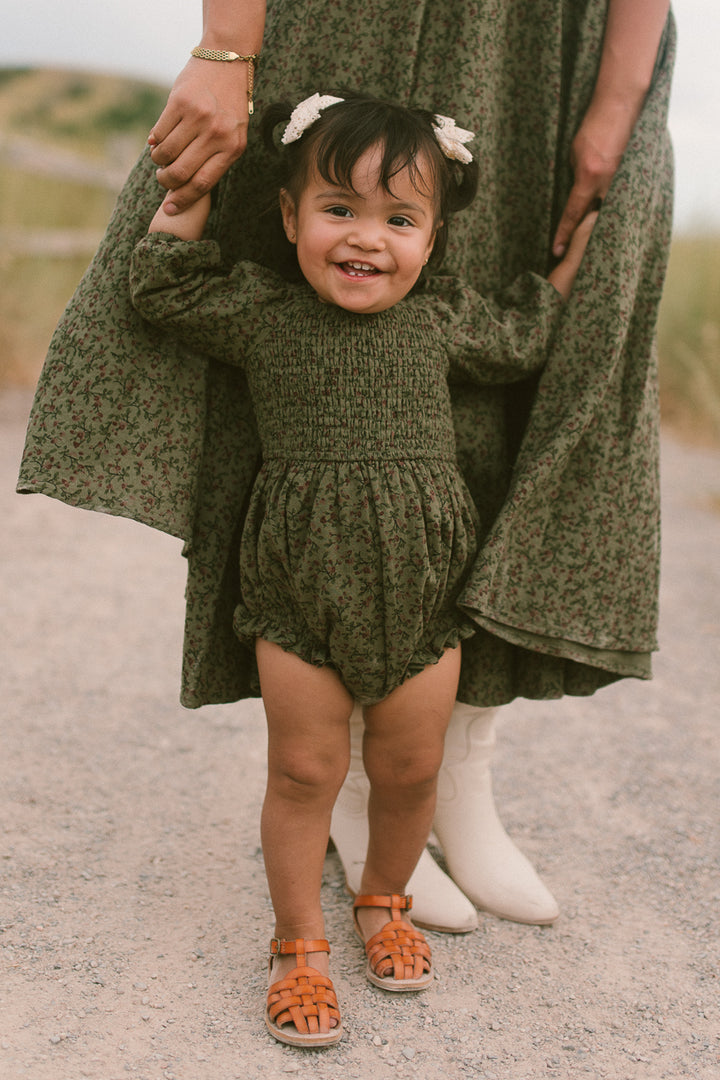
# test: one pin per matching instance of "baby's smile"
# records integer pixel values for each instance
(359, 269)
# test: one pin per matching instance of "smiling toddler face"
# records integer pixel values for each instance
(362, 248)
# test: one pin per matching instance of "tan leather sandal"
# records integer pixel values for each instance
(305, 1000)
(399, 957)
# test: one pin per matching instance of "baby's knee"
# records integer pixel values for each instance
(307, 776)
(413, 771)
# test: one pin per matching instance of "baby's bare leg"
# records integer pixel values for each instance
(307, 711)
(403, 751)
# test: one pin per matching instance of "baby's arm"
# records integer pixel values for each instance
(185, 288)
(504, 338)
(501, 338)
(187, 225)
(564, 274)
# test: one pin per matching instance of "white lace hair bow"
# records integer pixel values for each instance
(305, 114)
(451, 138)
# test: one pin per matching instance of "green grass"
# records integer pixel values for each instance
(101, 122)
(689, 339)
(34, 291)
(33, 201)
(36, 286)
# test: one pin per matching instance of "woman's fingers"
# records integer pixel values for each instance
(182, 193)
(202, 129)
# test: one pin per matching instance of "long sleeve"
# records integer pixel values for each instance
(181, 286)
(498, 339)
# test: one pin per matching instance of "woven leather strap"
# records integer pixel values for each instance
(398, 951)
(298, 946)
(396, 902)
(304, 997)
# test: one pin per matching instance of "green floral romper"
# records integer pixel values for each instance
(360, 530)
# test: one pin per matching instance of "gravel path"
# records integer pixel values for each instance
(134, 912)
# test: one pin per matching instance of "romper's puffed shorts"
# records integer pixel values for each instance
(358, 565)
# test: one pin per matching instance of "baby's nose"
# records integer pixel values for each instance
(367, 235)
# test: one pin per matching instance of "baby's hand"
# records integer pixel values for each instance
(564, 274)
(187, 225)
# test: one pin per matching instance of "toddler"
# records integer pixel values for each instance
(360, 531)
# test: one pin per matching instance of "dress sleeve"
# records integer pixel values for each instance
(182, 286)
(501, 338)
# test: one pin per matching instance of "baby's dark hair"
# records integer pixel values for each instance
(335, 142)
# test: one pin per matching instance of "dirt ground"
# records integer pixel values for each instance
(134, 916)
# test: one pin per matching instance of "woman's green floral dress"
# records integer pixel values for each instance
(563, 469)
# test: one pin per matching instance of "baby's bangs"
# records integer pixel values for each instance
(344, 137)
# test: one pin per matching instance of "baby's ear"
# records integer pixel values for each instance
(433, 238)
(289, 215)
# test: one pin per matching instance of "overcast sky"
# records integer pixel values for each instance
(152, 40)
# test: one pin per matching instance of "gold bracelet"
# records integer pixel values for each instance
(218, 54)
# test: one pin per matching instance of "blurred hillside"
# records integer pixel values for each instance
(67, 142)
(98, 117)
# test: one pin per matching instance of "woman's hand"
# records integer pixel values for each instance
(201, 131)
(632, 35)
(596, 153)
(203, 128)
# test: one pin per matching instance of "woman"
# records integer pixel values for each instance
(564, 474)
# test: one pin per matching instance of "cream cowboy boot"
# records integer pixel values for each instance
(438, 904)
(480, 856)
